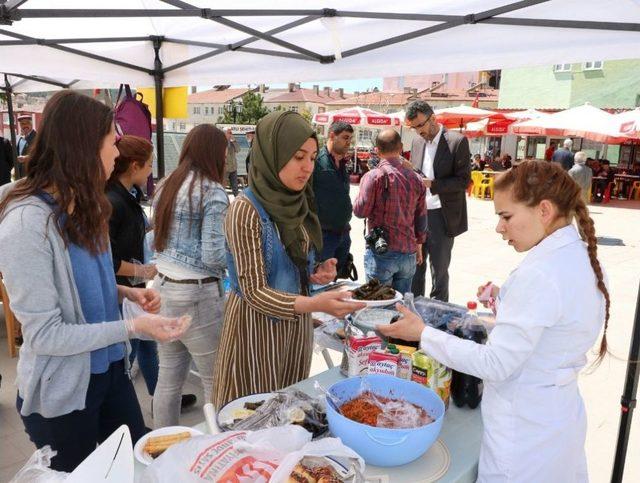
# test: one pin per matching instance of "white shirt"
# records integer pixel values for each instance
(430, 148)
(549, 317)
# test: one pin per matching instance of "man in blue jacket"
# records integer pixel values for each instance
(564, 156)
(331, 188)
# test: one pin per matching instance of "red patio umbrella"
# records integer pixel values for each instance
(457, 117)
(583, 121)
(358, 116)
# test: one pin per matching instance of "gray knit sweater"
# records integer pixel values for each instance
(54, 365)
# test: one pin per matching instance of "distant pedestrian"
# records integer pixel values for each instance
(231, 162)
(27, 136)
(564, 156)
(582, 174)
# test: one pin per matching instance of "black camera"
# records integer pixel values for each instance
(376, 240)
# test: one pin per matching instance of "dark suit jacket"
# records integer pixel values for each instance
(6, 161)
(29, 139)
(452, 170)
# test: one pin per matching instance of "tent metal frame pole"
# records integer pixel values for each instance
(72, 41)
(628, 399)
(12, 124)
(158, 76)
(79, 52)
(13, 4)
(461, 20)
(240, 45)
(43, 80)
(266, 36)
(187, 10)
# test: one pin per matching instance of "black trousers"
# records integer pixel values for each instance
(111, 402)
(437, 253)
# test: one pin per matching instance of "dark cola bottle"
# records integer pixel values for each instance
(466, 390)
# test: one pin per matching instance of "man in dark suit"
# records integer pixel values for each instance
(27, 136)
(443, 157)
(6, 161)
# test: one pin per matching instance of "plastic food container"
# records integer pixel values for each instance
(383, 446)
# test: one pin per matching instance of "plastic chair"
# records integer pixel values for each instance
(476, 179)
(486, 188)
(607, 192)
(634, 191)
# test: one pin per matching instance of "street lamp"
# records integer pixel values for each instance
(234, 109)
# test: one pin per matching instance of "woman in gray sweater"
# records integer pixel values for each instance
(72, 376)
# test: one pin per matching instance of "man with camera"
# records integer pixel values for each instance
(392, 199)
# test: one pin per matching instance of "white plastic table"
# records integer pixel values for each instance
(461, 433)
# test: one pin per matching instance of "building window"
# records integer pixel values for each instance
(593, 65)
(322, 109)
(562, 68)
(183, 126)
(206, 111)
(293, 108)
(220, 110)
(196, 109)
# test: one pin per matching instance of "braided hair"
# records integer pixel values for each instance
(533, 181)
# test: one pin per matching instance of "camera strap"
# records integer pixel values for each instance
(385, 197)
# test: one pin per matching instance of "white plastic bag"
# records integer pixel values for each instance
(37, 470)
(268, 455)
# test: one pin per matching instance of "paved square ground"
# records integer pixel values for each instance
(478, 255)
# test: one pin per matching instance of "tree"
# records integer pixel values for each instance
(249, 111)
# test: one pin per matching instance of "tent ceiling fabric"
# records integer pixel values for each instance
(451, 45)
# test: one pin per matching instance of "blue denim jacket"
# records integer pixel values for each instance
(196, 238)
(282, 274)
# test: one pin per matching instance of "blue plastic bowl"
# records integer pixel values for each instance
(383, 446)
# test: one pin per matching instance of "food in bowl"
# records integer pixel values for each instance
(374, 290)
(156, 445)
(383, 412)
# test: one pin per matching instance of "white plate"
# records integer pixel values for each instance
(225, 415)
(145, 458)
(380, 303)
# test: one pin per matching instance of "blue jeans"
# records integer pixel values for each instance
(391, 268)
(110, 402)
(147, 353)
(336, 245)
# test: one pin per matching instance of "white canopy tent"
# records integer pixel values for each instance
(101, 44)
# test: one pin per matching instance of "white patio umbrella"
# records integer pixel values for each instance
(628, 122)
(584, 121)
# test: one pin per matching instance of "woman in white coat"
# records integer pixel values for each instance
(550, 312)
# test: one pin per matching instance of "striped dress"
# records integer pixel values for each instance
(256, 354)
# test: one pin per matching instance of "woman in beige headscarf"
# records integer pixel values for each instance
(273, 232)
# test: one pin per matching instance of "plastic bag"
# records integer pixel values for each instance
(37, 470)
(262, 456)
(437, 314)
(325, 336)
(286, 407)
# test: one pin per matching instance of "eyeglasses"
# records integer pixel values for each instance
(422, 124)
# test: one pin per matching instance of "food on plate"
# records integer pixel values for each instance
(384, 412)
(286, 407)
(253, 405)
(156, 445)
(374, 290)
(318, 474)
(340, 333)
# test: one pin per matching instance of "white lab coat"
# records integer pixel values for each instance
(550, 313)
